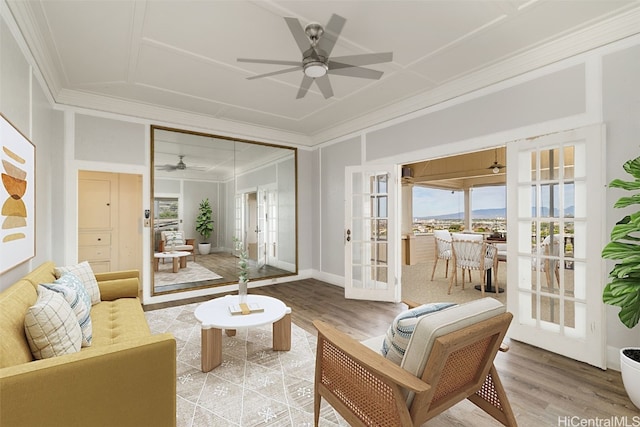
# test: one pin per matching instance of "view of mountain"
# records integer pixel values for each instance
(489, 214)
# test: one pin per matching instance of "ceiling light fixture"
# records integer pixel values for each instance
(495, 167)
(315, 69)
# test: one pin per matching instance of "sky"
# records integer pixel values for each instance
(432, 202)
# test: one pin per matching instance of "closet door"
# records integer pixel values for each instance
(97, 196)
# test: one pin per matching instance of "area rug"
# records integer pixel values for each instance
(254, 386)
(192, 273)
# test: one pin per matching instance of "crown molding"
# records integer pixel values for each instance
(580, 42)
(177, 118)
(24, 17)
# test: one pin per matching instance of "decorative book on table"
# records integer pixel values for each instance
(245, 308)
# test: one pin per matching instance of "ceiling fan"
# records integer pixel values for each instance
(181, 165)
(316, 43)
(496, 167)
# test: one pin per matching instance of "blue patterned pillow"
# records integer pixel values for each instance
(74, 292)
(399, 333)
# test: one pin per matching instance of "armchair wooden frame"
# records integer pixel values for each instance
(366, 389)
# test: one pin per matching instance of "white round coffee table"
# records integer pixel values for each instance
(215, 316)
(177, 255)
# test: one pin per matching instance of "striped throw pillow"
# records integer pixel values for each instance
(73, 291)
(399, 333)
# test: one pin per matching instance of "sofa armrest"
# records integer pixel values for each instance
(118, 284)
(125, 384)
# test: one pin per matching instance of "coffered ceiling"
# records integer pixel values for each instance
(176, 61)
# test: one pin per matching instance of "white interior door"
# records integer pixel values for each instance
(371, 233)
(555, 272)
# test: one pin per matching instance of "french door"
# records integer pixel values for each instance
(371, 233)
(555, 187)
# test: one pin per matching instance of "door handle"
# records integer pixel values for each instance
(348, 235)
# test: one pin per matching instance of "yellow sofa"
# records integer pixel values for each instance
(127, 377)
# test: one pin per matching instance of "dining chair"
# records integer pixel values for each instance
(442, 239)
(546, 259)
(472, 255)
(501, 256)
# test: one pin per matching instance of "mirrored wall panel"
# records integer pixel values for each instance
(213, 197)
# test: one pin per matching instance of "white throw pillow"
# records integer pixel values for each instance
(73, 291)
(174, 237)
(84, 272)
(399, 333)
(51, 326)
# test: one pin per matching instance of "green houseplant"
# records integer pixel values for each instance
(204, 225)
(623, 289)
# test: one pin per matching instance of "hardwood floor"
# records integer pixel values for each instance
(544, 389)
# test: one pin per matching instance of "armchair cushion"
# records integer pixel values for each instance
(442, 322)
(401, 329)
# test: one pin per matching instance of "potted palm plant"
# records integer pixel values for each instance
(623, 289)
(204, 226)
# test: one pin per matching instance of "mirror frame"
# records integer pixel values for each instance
(152, 204)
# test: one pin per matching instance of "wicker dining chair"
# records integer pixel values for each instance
(449, 358)
(472, 255)
(442, 239)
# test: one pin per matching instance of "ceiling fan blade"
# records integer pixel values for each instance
(268, 61)
(325, 86)
(364, 59)
(304, 86)
(365, 73)
(275, 73)
(331, 33)
(298, 33)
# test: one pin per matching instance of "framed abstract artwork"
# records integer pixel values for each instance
(17, 197)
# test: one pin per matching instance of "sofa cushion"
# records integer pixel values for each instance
(85, 274)
(73, 291)
(118, 321)
(399, 333)
(51, 326)
(14, 303)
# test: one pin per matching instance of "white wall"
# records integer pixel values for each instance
(621, 112)
(27, 107)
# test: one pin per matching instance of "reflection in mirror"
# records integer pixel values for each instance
(251, 190)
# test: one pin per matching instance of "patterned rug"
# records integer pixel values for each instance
(193, 272)
(254, 386)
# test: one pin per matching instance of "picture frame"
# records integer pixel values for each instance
(17, 196)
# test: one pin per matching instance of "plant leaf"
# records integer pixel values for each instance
(625, 185)
(622, 231)
(621, 294)
(617, 250)
(623, 202)
(633, 167)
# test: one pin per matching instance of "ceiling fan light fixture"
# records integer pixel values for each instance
(315, 69)
(496, 169)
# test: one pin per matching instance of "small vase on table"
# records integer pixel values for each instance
(242, 291)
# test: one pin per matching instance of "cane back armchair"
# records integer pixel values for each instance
(449, 358)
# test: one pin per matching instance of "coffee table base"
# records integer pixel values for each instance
(211, 341)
